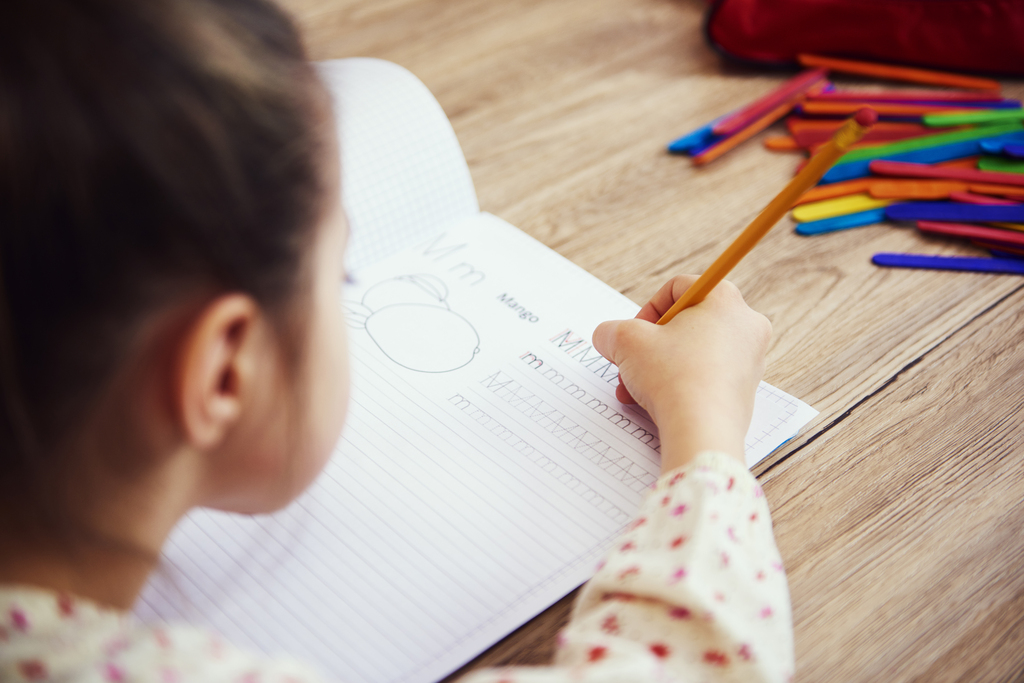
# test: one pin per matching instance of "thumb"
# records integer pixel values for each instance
(605, 339)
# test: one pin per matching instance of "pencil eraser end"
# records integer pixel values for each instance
(866, 117)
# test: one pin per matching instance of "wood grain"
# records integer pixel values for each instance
(563, 109)
(902, 525)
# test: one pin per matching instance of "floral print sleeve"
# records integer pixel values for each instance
(693, 591)
(49, 637)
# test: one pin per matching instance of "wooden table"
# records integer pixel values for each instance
(899, 510)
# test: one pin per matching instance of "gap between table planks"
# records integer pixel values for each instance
(563, 108)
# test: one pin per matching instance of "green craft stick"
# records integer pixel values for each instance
(1001, 164)
(926, 141)
(981, 116)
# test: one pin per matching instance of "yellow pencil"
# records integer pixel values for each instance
(851, 132)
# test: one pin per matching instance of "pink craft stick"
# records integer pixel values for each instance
(905, 169)
(971, 198)
(905, 96)
(752, 112)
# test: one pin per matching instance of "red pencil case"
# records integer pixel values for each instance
(983, 36)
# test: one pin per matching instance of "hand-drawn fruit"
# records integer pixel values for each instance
(409, 319)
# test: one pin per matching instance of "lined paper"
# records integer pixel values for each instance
(485, 465)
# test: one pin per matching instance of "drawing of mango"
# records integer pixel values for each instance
(409, 319)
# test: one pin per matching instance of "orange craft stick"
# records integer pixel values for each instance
(1008, 191)
(796, 124)
(817, 166)
(781, 143)
(833, 190)
(818, 108)
(914, 189)
(898, 73)
(753, 129)
(712, 153)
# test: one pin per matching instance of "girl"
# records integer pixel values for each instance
(171, 246)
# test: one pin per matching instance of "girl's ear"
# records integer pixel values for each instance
(217, 367)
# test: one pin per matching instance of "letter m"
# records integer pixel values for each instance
(439, 252)
(563, 339)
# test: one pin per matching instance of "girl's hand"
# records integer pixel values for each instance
(697, 375)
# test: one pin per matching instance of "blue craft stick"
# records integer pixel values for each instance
(954, 212)
(999, 253)
(971, 264)
(712, 141)
(930, 155)
(693, 139)
(698, 140)
(992, 146)
(1014, 151)
(836, 223)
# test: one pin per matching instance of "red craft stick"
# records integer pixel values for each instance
(808, 137)
(973, 232)
(756, 110)
(818, 108)
(905, 169)
(971, 198)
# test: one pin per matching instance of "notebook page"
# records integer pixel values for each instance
(484, 469)
(402, 171)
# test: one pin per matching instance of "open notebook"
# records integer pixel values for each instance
(485, 465)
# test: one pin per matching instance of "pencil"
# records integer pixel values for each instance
(847, 135)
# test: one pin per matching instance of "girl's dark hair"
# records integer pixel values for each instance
(149, 150)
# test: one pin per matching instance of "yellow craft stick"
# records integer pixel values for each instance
(839, 206)
(851, 132)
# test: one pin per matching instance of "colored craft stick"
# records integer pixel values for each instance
(970, 162)
(696, 138)
(938, 139)
(905, 96)
(1010, 226)
(781, 143)
(1014, 151)
(886, 109)
(973, 232)
(816, 194)
(770, 215)
(793, 88)
(1003, 253)
(997, 164)
(719, 148)
(1006, 191)
(884, 188)
(850, 220)
(883, 131)
(971, 198)
(930, 155)
(912, 170)
(954, 212)
(898, 73)
(961, 263)
(839, 206)
(985, 116)
(992, 146)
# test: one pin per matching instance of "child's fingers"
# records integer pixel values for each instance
(610, 340)
(665, 297)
